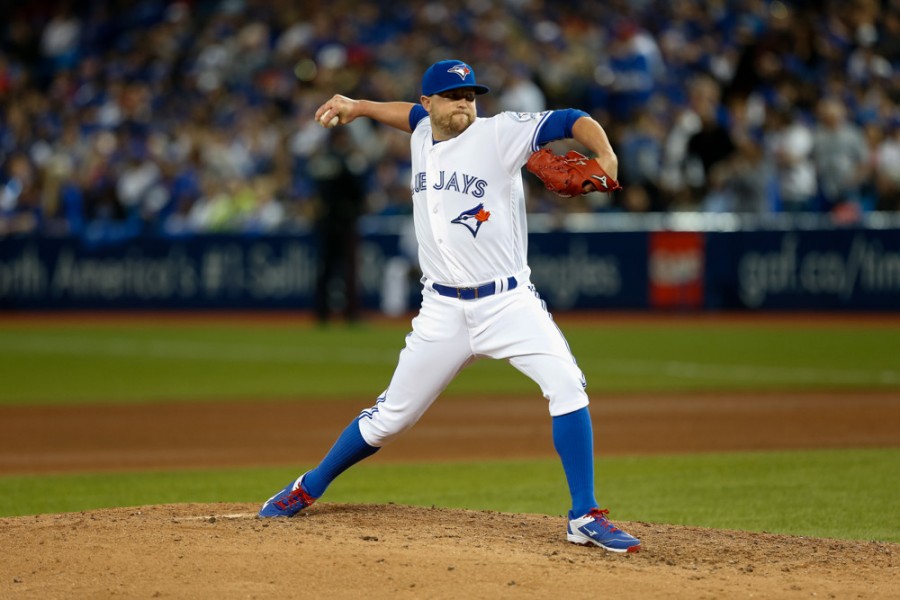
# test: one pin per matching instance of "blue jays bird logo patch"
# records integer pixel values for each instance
(461, 70)
(473, 218)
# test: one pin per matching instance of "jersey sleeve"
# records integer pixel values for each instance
(416, 114)
(517, 136)
(558, 125)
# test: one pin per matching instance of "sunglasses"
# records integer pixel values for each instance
(458, 94)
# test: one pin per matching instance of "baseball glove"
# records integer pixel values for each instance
(568, 175)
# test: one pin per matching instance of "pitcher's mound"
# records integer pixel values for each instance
(391, 551)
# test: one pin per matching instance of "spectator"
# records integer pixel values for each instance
(634, 65)
(709, 146)
(60, 40)
(739, 183)
(696, 144)
(139, 184)
(641, 157)
(840, 155)
(20, 210)
(887, 163)
(789, 143)
(233, 83)
(521, 93)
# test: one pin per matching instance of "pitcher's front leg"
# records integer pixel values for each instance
(434, 354)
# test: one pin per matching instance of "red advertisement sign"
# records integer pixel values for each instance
(676, 269)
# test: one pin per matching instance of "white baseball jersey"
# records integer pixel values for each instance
(469, 208)
(468, 199)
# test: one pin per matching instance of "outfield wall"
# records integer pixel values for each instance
(713, 266)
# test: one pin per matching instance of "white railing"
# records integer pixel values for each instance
(676, 221)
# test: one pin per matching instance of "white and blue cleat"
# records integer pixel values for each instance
(595, 528)
(288, 502)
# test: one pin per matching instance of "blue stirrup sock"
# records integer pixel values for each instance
(573, 438)
(349, 449)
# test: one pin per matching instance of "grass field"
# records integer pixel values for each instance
(847, 494)
(839, 494)
(77, 364)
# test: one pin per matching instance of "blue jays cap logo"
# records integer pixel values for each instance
(461, 70)
(439, 77)
(473, 218)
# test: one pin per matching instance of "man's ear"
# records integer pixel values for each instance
(425, 101)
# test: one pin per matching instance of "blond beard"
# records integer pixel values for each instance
(453, 124)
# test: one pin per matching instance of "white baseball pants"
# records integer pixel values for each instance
(449, 334)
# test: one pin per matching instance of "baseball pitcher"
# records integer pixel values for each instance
(477, 299)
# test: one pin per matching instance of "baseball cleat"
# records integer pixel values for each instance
(595, 528)
(288, 502)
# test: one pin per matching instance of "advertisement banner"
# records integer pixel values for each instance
(823, 270)
(835, 269)
(569, 271)
(589, 270)
(675, 269)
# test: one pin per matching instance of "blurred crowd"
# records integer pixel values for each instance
(120, 118)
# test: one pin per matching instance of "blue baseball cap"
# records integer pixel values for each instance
(449, 75)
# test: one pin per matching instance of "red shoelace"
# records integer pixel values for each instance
(294, 497)
(600, 515)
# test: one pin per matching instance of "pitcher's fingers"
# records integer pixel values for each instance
(325, 112)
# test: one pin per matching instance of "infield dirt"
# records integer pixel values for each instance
(354, 551)
(391, 551)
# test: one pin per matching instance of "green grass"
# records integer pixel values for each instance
(837, 494)
(140, 363)
(843, 494)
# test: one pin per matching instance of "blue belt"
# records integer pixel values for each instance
(473, 293)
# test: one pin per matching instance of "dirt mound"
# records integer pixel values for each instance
(352, 551)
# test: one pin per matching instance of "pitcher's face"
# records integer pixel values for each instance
(451, 112)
